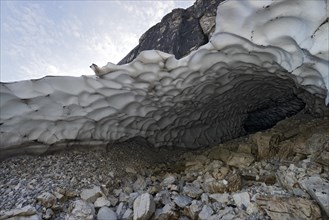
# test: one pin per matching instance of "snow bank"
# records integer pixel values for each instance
(261, 55)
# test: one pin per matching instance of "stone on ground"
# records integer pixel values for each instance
(90, 195)
(182, 200)
(286, 208)
(106, 213)
(25, 211)
(168, 212)
(81, 210)
(238, 159)
(101, 201)
(47, 199)
(206, 213)
(192, 190)
(318, 189)
(128, 215)
(144, 207)
(194, 209)
(220, 197)
(242, 199)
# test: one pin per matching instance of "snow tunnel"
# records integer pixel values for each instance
(268, 63)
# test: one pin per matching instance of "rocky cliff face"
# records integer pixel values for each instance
(180, 31)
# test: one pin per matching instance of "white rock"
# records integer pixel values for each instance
(287, 179)
(168, 180)
(205, 198)
(130, 170)
(144, 207)
(47, 199)
(163, 197)
(60, 196)
(166, 213)
(242, 199)
(226, 211)
(238, 159)
(31, 217)
(205, 213)
(48, 215)
(182, 201)
(114, 201)
(132, 197)
(139, 184)
(90, 195)
(128, 215)
(121, 209)
(220, 197)
(81, 210)
(194, 209)
(318, 189)
(24, 211)
(102, 201)
(106, 213)
(252, 208)
(192, 190)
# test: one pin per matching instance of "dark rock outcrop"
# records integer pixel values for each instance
(180, 31)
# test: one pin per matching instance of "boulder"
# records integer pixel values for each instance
(231, 183)
(286, 208)
(182, 201)
(168, 180)
(144, 207)
(47, 199)
(163, 197)
(318, 189)
(121, 209)
(128, 215)
(242, 200)
(267, 144)
(101, 201)
(26, 211)
(206, 213)
(81, 210)
(90, 195)
(237, 159)
(194, 209)
(168, 212)
(192, 190)
(220, 197)
(106, 213)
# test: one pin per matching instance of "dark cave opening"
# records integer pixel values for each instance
(272, 112)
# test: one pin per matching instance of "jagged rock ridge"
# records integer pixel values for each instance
(180, 31)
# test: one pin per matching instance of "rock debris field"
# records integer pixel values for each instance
(281, 173)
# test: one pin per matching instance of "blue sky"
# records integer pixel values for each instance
(40, 38)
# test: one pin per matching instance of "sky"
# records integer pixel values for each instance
(65, 37)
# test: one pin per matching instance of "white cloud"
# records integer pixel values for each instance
(64, 38)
